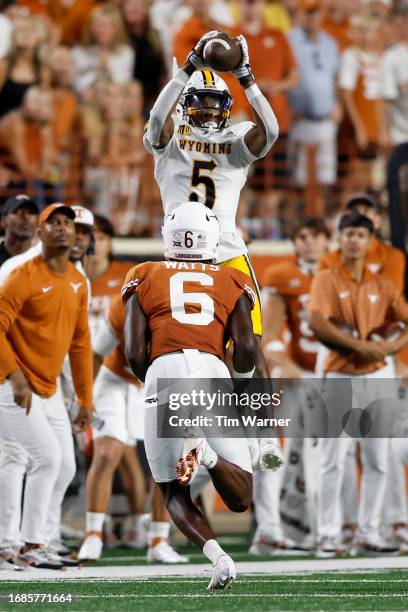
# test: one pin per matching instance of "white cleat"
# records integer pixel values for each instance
(224, 574)
(91, 549)
(164, 553)
(40, 558)
(271, 457)
(189, 462)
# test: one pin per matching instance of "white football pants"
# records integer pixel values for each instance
(40, 444)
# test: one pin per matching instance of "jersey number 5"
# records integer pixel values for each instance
(197, 179)
(179, 299)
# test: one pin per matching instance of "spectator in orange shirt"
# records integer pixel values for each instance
(43, 316)
(27, 136)
(273, 60)
(336, 21)
(186, 38)
(65, 106)
(359, 82)
(71, 18)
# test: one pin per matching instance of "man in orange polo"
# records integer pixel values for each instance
(382, 259)
(43, 316)
(347, 303)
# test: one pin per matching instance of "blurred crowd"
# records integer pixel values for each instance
(78, 77)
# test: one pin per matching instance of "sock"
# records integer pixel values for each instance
(212, 550)
(210, 457)
(136, 522)
(158, 530)
(94, 521)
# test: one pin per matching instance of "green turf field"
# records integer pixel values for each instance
(132, 584)
(339, 591)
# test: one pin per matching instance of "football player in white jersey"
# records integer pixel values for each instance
(200, 156)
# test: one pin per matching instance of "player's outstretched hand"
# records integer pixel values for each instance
(195, 57)
(83, 418)
(21, 390)
(244, 69)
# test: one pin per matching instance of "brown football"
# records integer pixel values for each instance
(222, 53)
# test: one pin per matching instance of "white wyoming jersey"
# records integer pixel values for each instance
(208, 168)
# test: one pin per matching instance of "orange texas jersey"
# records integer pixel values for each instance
(104, 287)
(116, 360)
(187, 304)
(293, 285)
(382, 259)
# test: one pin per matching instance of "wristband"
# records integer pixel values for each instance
(236, 374)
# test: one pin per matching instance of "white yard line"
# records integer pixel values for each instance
(272, 568)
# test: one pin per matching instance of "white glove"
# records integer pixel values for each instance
(244, 69)
(196, 55)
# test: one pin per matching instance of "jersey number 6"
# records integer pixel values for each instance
(179, 299)
(197, 179)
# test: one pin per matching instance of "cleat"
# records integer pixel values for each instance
(59, 548)
(135, 544)
(282, 547)
(188, 464)
(271, 457)
(224, 574)
(65, 560)
(401, 536)
(9, 558)
(40, 558)
(137, 540)
(164, 553)
(92, 546)
(374, 546)
(330, 547)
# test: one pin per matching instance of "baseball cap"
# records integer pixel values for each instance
(308, 5)
(49, 210)
(13, 204)
(362, 198)
(83, 215)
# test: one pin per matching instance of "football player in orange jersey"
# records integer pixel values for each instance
(285, 295)
(179, 314)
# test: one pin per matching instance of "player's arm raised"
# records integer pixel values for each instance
(160, 126)
(242, 335)
(261, 137)
(137, 337)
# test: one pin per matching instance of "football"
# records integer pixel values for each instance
(222, 53)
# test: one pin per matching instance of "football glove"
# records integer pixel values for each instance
(244, 69)
(196, 55)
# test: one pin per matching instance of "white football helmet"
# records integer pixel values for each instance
(191, 232)
(206, 101)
